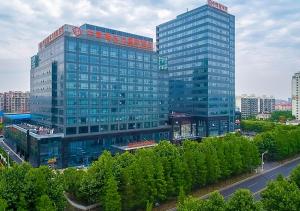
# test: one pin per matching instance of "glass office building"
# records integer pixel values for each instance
(97, 88)
(200, 48)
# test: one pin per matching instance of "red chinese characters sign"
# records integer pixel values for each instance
(51, 37)
(217, 5)
(116, 39)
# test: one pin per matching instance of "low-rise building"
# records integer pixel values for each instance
(283, 106)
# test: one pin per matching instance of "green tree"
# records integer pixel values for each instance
(281, 195)
(111, 198)
(44, 203)
(281, 116)
(72, 180)
(172, 163)
(92, 184)
(3, 205)
(12, 184)
(22, 204)
(242, 200)
(127, 189)
(256, 126)
(195, 159)
(191, 204)
(149, 183)
(43, 181)
(181, 196)
(212, 162)
(295, 176)
(215, 202)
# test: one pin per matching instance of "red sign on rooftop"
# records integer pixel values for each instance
(115, 39)
(217, 5)
(51, 37)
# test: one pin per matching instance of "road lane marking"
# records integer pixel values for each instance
(249, 186)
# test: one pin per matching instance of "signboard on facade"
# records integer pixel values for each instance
(115, 39)
(217, 5)
(51, 37)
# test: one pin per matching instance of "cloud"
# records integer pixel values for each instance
(267, 34)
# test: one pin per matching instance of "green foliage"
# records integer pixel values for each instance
(149, 206)
(92, 184)
(242, 200)
(281, 195)
(281, 116)
(181, 195)
(44, 203)
(1, 127)
(72, 180)
(281, 143)
(3, 205)
(190, 204)
(215, 202)
(22, 186)
(256, 126)
(111, 198)
(153, 175)
(295, 176)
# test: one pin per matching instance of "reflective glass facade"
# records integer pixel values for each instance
(99, 87)
(200, 48)
(82, 85)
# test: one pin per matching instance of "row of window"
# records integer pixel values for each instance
(95, 49)
(72, 57)
(97, 86)
(191, 16)
(106, 78)
(132, 125)
(193, 37)
(193, 25)
(105, 94)
(112, 110)
(83, 68)
(197, 44)
(115, 127)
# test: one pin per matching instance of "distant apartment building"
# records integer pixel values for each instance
(295, 95)
(14, 102)
(251, 106)
(1, 101)
(266, 104)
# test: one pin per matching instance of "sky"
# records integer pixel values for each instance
(267, 35)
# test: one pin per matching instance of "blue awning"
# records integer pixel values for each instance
(17, 116)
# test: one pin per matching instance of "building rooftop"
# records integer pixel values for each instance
(136, 145)
(38, 131)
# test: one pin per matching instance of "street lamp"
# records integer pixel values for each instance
(8, 159)
(262, 160)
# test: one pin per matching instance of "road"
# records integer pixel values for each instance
(256, 184)
(12, 154)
